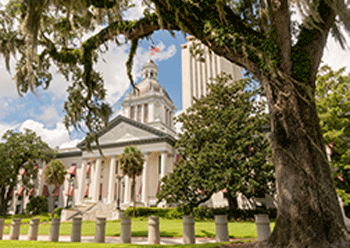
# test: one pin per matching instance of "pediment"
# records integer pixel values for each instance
(124, 132)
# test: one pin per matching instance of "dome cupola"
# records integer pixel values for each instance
(150, 70)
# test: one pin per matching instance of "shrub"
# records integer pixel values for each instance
(202, 213)
(37, 205)
(175, 213)
(145, 212)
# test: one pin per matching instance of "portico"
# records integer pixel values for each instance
(102, 184)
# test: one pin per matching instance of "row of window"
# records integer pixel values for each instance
(168, 117)
(138, 112)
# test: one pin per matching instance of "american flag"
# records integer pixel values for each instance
(155, 49)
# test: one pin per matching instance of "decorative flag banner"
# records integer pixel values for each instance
(154, 50)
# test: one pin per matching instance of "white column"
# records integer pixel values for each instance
(127, 189)
(144, 196)
(81, 180)
(111, 180)
(96, 181)
(163, 163)
(151, 117)
(142, 112)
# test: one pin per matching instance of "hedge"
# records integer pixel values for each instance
(201, 213)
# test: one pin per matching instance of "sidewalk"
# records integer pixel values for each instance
(116, 240)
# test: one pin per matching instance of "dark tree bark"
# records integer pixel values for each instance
(308, 211)
(4, 200)
(232, 201)
(3, 204)
(133, 196)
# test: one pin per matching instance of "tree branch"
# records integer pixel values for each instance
(229, 37)
(280, 20)
(312, 41)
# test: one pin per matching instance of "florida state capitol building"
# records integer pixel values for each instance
(146, 122)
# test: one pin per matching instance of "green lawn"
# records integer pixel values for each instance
(139, 227)
(32, 244)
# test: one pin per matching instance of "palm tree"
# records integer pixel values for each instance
(131, 164)
(55, 174)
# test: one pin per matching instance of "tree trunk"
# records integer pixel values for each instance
(308, 214)
(133, 196)
(3, 204)
(53, 203)
(232, 201)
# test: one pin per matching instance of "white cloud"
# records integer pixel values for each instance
(8, 87)
(6, 126)
(54, 137)
(335, 56)
(49, 115)
(165, 53)
(114, 67)
(178, 125)
(135, 12)
(70, 144)
(3, 2)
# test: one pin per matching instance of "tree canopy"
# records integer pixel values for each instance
(223, 147)
(20, 152)
(54, 175)
(333, 106)
(261, 36)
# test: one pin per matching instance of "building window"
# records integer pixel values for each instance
(116, 167)
(166, 117)
(138, 117)
(160, 165)
(100, 195)
(132, 112)
(170, 119)
(145, 113)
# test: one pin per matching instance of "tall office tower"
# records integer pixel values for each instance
(196, 75)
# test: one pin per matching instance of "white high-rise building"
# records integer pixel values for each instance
(196, 75)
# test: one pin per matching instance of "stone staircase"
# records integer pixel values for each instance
(89, 211)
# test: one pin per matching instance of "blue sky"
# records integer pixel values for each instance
(44, 114)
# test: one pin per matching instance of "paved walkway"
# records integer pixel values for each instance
(116, 240)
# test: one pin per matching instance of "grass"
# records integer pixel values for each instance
(32, 244)
(139, 228)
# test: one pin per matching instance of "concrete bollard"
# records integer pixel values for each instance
(33, 229)
(221, 228)
(188, 230)
(153, 230)
(15, 227)
(125, 229)
(2, 224)
(75, 235)
(100, 230)
(262, 226)
(54, 229)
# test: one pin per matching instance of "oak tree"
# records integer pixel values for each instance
(20, 151)
(259, 35)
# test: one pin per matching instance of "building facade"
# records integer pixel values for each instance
(196, 74)
(147, 123)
